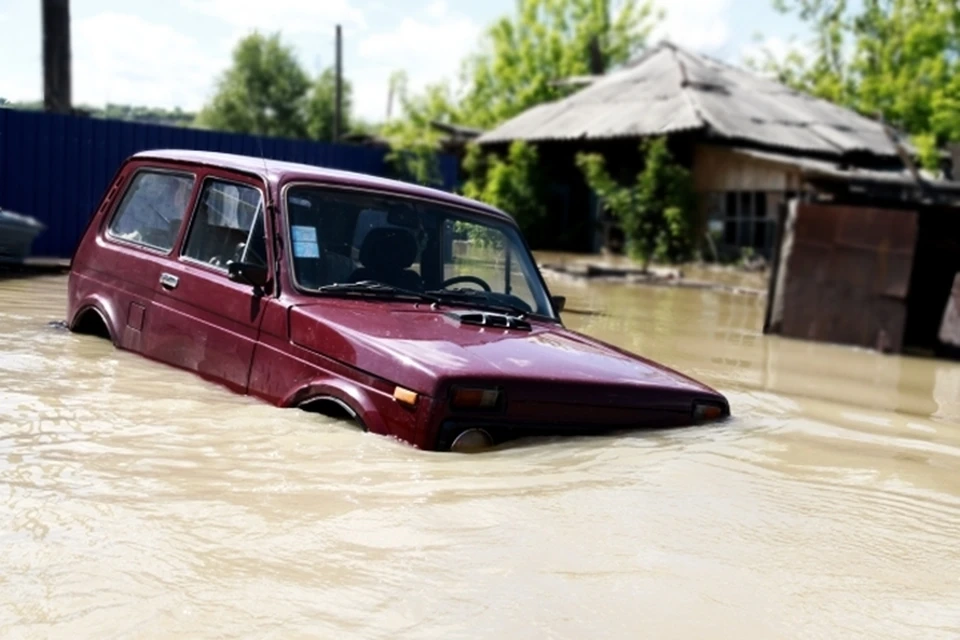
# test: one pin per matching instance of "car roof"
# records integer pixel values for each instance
(277, 171)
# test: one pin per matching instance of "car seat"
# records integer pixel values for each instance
(386, 255)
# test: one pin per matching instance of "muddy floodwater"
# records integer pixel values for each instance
(137, 501)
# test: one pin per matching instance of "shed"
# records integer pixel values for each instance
(872, 260)
(720, 121)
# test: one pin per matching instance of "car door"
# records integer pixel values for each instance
(204, 321)
(136, 242)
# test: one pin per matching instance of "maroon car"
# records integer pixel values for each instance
(414, 312)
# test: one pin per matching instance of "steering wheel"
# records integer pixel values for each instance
(480, 282)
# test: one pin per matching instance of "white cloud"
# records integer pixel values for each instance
(437, 9)
(428, 50)
(776, 47)
(289, 16)
(370, 91)
(438, 41)
(122, 58)
(700, 25)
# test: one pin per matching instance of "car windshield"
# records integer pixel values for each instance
(346, 242)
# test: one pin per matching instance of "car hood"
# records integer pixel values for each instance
(423, 349)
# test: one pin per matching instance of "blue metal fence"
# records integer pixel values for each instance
(56, 167)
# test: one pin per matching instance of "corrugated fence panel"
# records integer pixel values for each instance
(56, 168)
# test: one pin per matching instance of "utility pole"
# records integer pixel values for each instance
(56, 56)
(338, 98)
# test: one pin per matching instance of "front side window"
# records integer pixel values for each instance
(227, 226)
(153, 209)
(340, 239)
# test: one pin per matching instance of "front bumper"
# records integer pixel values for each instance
(501, 429)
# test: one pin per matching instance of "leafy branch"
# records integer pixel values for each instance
(656, 211)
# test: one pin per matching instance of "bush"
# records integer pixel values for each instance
(512, 184)
(657, 211)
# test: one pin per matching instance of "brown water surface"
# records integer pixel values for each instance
(137, 501)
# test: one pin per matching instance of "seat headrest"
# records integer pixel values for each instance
(388, 248)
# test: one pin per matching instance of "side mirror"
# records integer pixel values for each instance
(559, 302)
(252, 274)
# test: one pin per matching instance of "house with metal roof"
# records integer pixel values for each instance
(752, 144)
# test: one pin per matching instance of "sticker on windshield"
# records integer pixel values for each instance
(306, 250)
(304, 242)
(304, 234)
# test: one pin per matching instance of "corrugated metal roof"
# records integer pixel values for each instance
(813, 167)
(670, 89)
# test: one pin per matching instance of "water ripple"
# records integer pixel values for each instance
(138, 501)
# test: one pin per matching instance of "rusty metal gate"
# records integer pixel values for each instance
(842, 275)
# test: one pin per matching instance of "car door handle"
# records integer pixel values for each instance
(168, 281)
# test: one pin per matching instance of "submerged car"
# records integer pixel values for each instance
(17, 233)
(414, 312)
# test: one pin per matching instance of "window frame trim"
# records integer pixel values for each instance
(204, 181)
(113, 238)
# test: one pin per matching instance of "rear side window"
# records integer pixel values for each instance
(227, 226)
(152, 209)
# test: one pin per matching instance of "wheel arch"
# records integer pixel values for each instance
(342, 399)
(332, 407)
(91, 319)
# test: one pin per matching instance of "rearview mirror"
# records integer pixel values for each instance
(248, 273)
(559, 302)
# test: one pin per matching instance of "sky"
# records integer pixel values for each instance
(170, 53)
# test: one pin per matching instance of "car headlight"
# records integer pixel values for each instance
(471, 441)
(476, 398)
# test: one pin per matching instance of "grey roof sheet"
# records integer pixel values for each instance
(670, 89)
(814, 167)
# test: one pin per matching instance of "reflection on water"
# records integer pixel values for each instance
(138, 501)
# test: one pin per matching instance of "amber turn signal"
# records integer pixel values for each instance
(405, 396)
(468, 398)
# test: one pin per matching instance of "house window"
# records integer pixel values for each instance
(744, 219)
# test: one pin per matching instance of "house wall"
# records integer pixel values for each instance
(719, 169)
(572, 222)
(740, 199)
(740, 196)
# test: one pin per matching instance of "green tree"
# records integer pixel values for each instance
(657, 211)
(263, 92)
(413, 142)
(899, 59)
(321, 106)
(511, 183)
(514, 68)
(153, 115)
(523, 55)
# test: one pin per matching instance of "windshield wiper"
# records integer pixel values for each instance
(466, 297)
(374, 288)
(478, 299)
